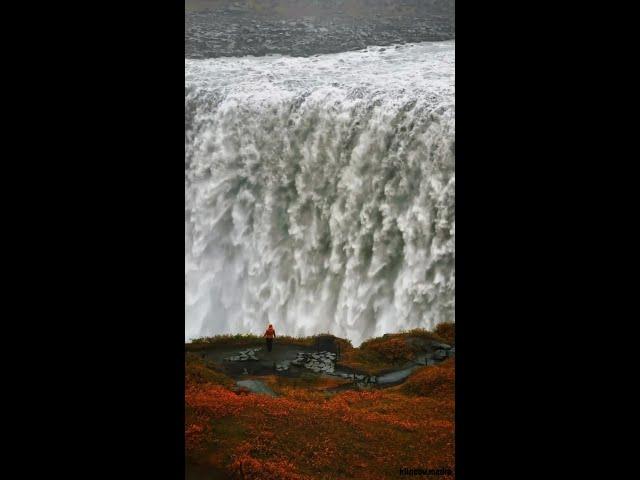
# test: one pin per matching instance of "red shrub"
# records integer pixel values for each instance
(435, 380)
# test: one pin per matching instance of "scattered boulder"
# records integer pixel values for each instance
(320, 362)
(244, 355)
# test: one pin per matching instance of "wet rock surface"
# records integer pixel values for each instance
(292, 361)
(235, 30)
(396, 377)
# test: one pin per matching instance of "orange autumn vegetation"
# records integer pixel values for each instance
(393, 350)
(307, 433)
(306, 382)
(438, 380)
(198, 372)
(447, 332)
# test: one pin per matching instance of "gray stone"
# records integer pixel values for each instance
(440, 346)
(284, 365)
(256, 386)
(440, 354)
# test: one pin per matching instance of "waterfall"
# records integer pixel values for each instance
(320, 192)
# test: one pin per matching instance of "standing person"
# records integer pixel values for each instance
(270, 334)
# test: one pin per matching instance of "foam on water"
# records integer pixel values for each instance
(319, 192)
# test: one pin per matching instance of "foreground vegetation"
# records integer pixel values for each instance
(311, 432)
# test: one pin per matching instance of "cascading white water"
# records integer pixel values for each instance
(319, 192)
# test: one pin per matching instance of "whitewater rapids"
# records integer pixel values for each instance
(319, 192)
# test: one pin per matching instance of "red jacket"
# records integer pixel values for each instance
(270, 333)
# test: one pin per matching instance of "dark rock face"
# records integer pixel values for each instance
(305, 27)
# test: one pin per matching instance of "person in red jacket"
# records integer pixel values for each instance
(270, 334)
